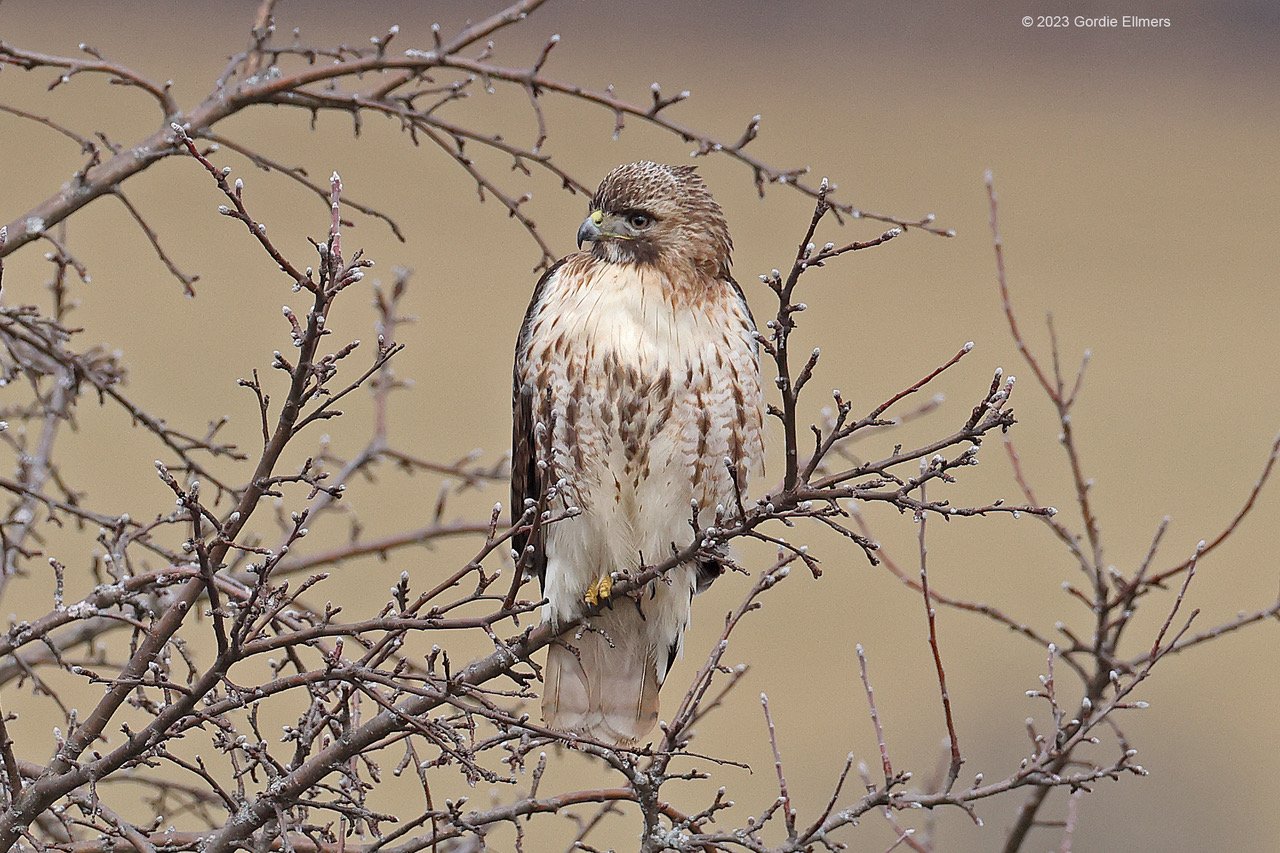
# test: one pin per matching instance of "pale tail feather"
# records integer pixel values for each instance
(608, 690)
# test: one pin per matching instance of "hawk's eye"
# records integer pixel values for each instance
(638, 220)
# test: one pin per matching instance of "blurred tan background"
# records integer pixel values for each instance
(1139, 173)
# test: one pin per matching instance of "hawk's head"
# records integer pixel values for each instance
(649, 213)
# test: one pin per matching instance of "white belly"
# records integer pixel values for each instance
(647, 398)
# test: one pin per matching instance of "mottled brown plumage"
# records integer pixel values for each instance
(689, 232)
(638, 360)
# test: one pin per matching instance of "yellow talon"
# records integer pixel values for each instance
(598, 591)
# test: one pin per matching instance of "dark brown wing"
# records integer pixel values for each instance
(709, 570)
(525, 482)
(742, 298)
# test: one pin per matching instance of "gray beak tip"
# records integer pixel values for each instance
(589, 232)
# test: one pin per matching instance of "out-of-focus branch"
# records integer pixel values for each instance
(203, 622)
(383, 82)
(1113, 596)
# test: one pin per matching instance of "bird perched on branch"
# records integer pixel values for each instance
(636, 398)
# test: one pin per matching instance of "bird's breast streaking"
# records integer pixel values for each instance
(641, 366)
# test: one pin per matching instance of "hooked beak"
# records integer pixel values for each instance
(589, 232)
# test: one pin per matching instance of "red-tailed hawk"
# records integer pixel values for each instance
(636, 377)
